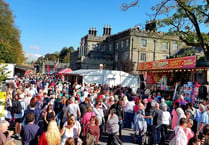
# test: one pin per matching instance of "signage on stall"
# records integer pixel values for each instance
(175, 63)
(2, 103)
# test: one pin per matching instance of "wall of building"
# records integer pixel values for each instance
(130, 45)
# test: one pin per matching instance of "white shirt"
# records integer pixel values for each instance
(130, 106)
(73, 109)
(166, 117)
(181, 138)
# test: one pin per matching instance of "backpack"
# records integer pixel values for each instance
(16, 107)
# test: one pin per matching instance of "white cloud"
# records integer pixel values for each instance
(34, 47)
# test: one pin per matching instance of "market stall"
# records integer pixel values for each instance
(109, 77)
(172, 76)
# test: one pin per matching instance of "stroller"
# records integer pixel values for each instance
(140, 127)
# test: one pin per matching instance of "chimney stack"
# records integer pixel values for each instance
(90, 31)
(95, 32)
(104, 30)
(110, 29)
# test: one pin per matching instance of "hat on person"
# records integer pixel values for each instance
(100, 97)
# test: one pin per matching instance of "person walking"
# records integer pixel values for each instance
(18, 106)
(113, 128)
(51, 136)
(166, 117)
(157, 121)
(180, 136)
(30, 132)
(49, 115)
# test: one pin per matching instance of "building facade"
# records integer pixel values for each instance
(118, 51)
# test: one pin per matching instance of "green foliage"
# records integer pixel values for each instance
(183, 17)
(188, 52)
(3, 74)
(40, 60)
(56, 53)
(63, 53)
(66, 59)
(63, 56)
(50, 57)
(10, 46)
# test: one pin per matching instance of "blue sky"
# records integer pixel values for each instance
(49, 25)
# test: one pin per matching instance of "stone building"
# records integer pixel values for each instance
(120, 50)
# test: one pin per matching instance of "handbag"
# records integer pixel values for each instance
(90, 139)
(173, 140)
(172, 135)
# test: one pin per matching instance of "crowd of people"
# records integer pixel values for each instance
(46, 110)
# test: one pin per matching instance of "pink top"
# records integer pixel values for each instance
(174, 119)
(149, 99)
(86, 120)
(86, 117)
(189, 133)
(136, 108)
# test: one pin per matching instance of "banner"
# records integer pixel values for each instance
(48, 69)
(175, 63)
(2, 103)
(54, 68)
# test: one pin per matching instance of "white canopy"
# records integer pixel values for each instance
(110, 77)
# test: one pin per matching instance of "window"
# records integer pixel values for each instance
(143, 56)
(143, 43)
(175, 46)
(127, 42)
(93, 46)
(102, 48)
(110, 47)
(165, 45)
(121, 44)
(117, 45)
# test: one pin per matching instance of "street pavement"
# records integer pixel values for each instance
(127, 137)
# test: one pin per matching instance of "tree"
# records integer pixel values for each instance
(183, 17)
(50, 57)
(63, 53)
(10, 46)
(71, 49)
(66, 59)
(56, 53)
(40, 60)
(3, 74)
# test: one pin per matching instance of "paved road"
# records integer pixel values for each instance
(127, 137)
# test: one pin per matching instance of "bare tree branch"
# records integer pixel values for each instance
(161, 6)
(125, 7)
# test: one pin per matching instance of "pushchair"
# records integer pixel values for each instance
(140, 127)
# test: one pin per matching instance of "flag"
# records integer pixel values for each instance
(48, 69)
(54, 67)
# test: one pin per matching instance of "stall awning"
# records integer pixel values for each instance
(188, 62)
(64, 71)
